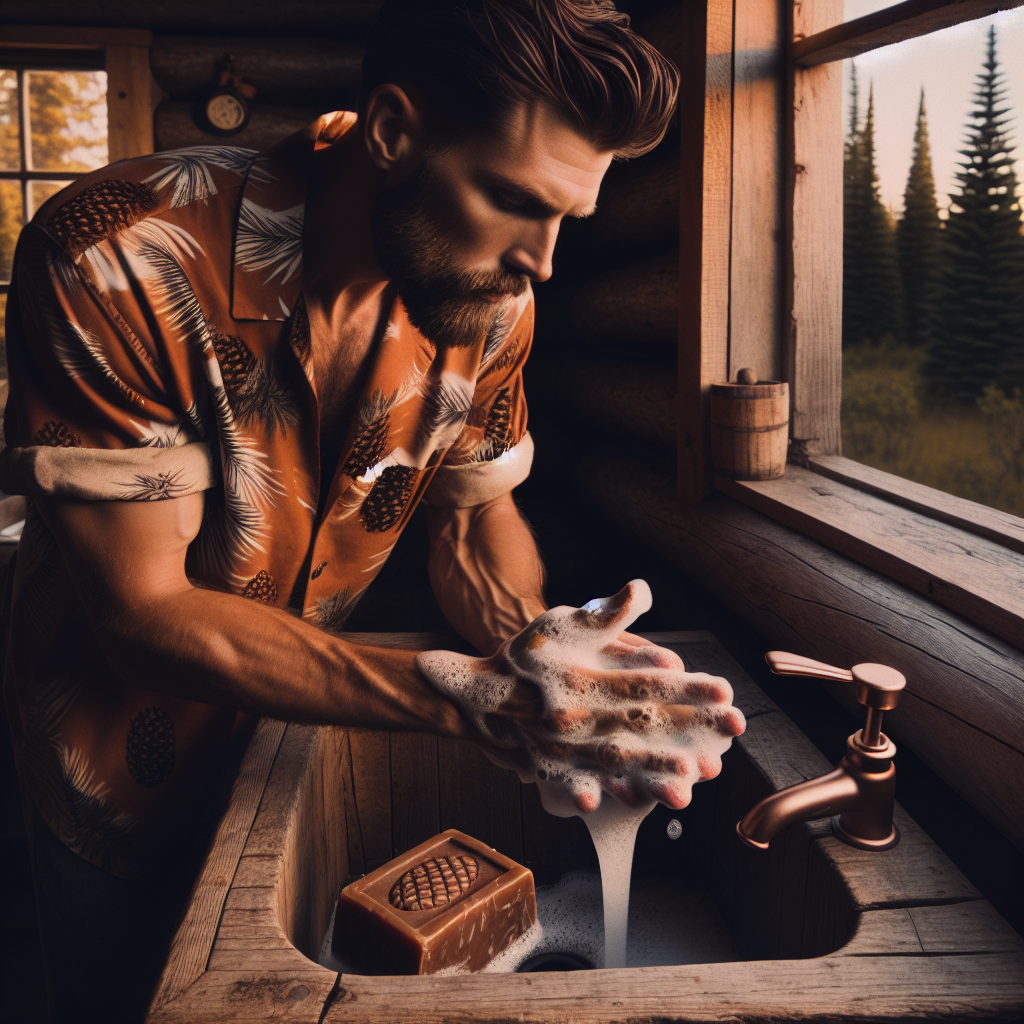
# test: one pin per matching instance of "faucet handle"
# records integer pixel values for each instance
(878, 686)
(783, 664)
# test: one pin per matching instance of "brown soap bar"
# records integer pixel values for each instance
(451, 901)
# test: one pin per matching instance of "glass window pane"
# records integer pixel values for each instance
(10, 225)
(68, 118)
(10, 145)
(40, 191)
(933, 260)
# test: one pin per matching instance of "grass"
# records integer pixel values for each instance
(889, 422)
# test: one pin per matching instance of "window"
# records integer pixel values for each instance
(71, 99)
(932, 359)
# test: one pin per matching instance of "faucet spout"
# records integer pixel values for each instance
(822, 797)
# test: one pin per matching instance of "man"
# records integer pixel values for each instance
(233, 377)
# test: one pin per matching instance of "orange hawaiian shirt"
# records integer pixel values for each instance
(158, 345)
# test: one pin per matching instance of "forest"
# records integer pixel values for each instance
(933, 308)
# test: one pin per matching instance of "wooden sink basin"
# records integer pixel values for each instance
(823, 932)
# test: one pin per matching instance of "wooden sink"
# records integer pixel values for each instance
(823, 932)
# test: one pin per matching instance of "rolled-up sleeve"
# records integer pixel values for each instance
(92, 413)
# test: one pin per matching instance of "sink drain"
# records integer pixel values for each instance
(555, 962)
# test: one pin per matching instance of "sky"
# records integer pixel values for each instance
(946, 64)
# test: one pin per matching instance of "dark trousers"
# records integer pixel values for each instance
(104, 939)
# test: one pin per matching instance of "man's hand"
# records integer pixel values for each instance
(577, 705)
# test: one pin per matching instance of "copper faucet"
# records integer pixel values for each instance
(860, 793)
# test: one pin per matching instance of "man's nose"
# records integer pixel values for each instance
(533, 255)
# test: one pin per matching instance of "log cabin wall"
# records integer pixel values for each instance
(678, 280)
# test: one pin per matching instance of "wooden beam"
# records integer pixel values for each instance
(61, 37)
(981, 520)
(698, 36)
(814, 338)
(964, 702)
(758, 185)
(129, 102)
(974, 577)
(890, 25)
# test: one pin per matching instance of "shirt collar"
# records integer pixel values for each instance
(266, 260)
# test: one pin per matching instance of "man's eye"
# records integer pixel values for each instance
(506, 201)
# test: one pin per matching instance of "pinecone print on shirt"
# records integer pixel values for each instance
(499, 424)
(261, 587)
(57, 435)
(371, 443)
(234, 357)
(298, 336)
(100, 210)
(388, 498)
(149, 751)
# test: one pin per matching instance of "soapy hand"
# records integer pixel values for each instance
(578, 706)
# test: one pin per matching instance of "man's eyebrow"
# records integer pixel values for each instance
(542, 202)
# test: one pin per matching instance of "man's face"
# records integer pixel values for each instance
(476, 222)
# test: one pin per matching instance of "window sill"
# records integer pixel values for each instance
(961, 555)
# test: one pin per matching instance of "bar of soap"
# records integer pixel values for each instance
(452, 902)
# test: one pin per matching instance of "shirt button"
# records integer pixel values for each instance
(319, 569)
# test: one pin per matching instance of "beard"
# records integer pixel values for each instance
(444, 301)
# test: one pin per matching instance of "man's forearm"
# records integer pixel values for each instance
(486, 571)
(220, 649)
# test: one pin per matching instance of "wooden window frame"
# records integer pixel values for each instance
(122, 53)
(863, 513)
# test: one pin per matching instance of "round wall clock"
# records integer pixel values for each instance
(227, 112)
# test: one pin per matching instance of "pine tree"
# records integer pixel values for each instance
(919, 243)
(872, 292)
(981, 342)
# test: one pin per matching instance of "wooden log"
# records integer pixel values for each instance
(801, 596)
(174, 126)
(639, 210)
(297, 17)
(637, 305)
(624, 398)
(304, 71)
(972, 576)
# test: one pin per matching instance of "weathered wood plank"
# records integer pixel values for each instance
(892, 25)
(756, 261)
(889, 989)
(803, 597)
(991, 523)
(634, 306)
(623, 398)
(972, 576)
(194, 938)
(973, 927)
(814, 345)
(477, 797)
(289, 69)
(366, 775)
(415, 816)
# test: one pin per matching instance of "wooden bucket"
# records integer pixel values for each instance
(750, 429)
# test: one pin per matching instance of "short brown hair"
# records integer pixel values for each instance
(473, 60)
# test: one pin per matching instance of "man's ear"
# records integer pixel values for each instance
(393, 130)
